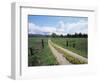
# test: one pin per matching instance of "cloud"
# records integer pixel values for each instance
(35, 29)
(71, 28)
(78, 27)
(61, 28)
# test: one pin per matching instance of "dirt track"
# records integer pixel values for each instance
(66, 50)
(59, 57)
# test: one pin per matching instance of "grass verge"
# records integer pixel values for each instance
(70, 58)
(42, 57)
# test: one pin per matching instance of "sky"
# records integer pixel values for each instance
(46, 25)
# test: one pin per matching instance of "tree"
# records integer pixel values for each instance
(61, 36)
(54, 35)
(80, 35)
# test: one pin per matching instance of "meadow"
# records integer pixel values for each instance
(77, 45)
(41, 55)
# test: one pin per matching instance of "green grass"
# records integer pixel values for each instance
(80, 45)
(41, 57)
(70, 58)
(44, 56)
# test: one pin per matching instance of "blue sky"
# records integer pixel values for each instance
(57, 24)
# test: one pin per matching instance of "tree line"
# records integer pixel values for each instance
(54, 35)
(76, 35)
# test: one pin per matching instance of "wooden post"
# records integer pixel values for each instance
(31, 51)
(42, 43)
(73, 45)
(67, 43)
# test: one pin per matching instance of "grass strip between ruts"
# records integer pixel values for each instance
(70, 58)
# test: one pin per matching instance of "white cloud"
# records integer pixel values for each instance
(78, 27)
(72, 28)
(61, 28)
(35, 29)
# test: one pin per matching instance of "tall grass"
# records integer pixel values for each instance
(69, 57)
(43, 56)
(81, 45)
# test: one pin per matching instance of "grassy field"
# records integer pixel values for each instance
(77, 45)
(41, 56)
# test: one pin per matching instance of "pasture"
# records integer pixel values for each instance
(40, 54)
(77, 45)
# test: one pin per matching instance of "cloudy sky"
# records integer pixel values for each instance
(46, 25)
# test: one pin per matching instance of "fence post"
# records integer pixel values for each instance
(31, 51)
(66, 43)
(73, 45)
(42, 43)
